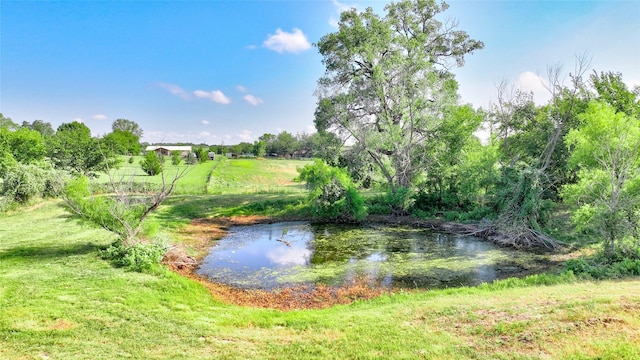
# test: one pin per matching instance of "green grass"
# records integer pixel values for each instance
(58, 300)
(221, 176)
(250, 176)
(193, 182)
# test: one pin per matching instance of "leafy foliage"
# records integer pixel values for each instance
(138, 257)
(43, 127)
(122, 142)
(128, 126)
(23, 182)
(332, 193)
(26, 146)
(606, 266)
(386, 87)
(72, 148)
(606, 149)
(202, 154)
(176, 157)
(151, 164)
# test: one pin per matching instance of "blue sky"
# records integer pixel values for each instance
(230, 71)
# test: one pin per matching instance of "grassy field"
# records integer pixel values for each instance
(59, 300)
(221, 176)
(247, 176)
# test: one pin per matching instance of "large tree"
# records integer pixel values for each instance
(128, 126)
(606, 149)
(388, 86)
(122, 142)
(72, 148)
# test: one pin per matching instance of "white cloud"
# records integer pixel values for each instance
(205, 134)
(529, 81)
(255, 101)
(241, 88)
(78, 120)
(215, 95)
(99, 117)
(205, 122)
(245, 135)
(283, 41)
(175, 90)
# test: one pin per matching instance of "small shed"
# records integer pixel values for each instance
(211, 155)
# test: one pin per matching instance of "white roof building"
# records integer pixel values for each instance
(167, 149)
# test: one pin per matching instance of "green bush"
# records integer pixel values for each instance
(202, 154)
(138, 257)
(378, 205)
(598, 268)
(401, 201)
(23, 182)
(151, 164)
(176, 157)
(332, 193)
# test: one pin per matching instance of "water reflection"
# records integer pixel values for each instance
(275, 255)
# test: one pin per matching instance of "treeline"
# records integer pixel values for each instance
(284, 145)
(36, 160)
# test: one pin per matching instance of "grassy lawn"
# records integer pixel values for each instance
(60, 300)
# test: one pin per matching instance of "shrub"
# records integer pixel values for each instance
(137, 257)
(401, 201)
(202, 154)
(176, 157)
(22, 182)
(151, 164)
(602, 267)
(332, 193)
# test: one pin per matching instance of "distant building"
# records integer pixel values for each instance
(212, 155)
(167, 149)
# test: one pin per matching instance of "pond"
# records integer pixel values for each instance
(270, 256)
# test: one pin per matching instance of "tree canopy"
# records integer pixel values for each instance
(387, 85)
(72, 148)
(128, 126)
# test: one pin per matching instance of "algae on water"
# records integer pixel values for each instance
(270, 256)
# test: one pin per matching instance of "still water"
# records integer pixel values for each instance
(284, 254)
